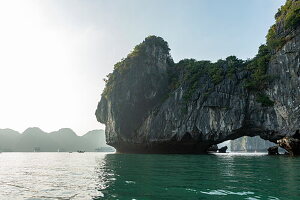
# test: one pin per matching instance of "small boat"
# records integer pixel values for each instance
(36, 149)
(70, 152)
(80, 151)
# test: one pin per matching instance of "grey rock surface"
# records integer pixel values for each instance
(143, 115)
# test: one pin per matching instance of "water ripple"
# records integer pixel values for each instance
(75, 176)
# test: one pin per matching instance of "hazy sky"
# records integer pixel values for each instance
(55, 53)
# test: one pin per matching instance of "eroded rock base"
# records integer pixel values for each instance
(273, 150)
(292, 145)
(161, 148)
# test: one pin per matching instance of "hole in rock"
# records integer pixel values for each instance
(248, 144)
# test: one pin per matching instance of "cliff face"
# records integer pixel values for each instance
(152, 105)
(250, 144)
(138, 84)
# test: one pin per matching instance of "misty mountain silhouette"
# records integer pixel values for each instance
(64, 139)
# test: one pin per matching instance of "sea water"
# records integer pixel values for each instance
(145, 176)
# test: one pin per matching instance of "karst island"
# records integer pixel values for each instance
(151, 104)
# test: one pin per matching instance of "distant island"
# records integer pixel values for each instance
(63, 140)
(250, 144)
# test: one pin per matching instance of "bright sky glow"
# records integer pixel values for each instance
(55, 53)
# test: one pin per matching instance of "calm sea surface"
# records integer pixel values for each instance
(121, 176)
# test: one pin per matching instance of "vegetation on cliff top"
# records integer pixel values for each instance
(258, 79)
(287, 19)
(149, 41)
(258, 66)
(187, 72)
(138, 54)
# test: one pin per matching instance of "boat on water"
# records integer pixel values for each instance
(79, 151)
(36, 149)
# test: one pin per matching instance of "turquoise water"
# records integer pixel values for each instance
(202, 177)
(121, 176)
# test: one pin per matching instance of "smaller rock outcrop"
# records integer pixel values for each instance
(291, 144)
(273, 150)
(223, 149)
(213, 148)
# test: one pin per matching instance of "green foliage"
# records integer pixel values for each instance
(188, 72)
(234, 64)
(215, 71)
(289, 15)
(137, 55)
(148, 42)
(173, 80)
(111, 79)
(258, 68)
(273, 40)
(264, 100)
(293, 17)
(191, 71)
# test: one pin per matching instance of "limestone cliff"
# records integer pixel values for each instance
(153, 105)
(250, 144)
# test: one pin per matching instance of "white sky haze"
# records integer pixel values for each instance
(55, 53)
